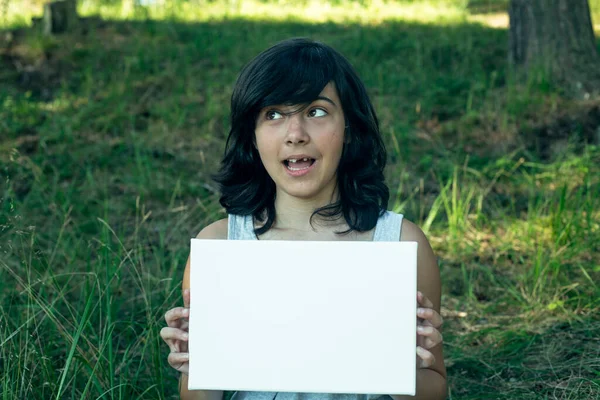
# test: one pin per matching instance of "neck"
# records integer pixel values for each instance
(294, 213)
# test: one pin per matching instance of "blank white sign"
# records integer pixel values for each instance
(308, 317)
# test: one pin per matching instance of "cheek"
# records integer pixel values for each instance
(336, 143)
(266, 149)
(329, 134)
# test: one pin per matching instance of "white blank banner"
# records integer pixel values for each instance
(309, 317)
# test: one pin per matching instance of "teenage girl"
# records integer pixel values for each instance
(304, 160)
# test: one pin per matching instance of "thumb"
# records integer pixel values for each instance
(186, 298)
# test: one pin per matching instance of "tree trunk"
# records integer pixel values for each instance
(556, 37)
(60, 16)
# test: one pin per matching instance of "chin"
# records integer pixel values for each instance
(305, 192)
(302, 193)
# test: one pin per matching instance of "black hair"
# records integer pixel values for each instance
(295, 71)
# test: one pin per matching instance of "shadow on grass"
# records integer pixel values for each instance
(529, 362)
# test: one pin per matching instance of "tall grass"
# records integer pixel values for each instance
(106, 165)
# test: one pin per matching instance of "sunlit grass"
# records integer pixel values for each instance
(310, 11)
(20, 12)
(313, 11)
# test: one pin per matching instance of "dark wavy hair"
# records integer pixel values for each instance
(295, 72)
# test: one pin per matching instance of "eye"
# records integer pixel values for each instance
(317, 112)
(272, 114)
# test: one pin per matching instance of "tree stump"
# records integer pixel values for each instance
(59, 17)
(557, 38)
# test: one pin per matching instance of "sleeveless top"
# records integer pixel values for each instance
(387, 229)
(241, 227)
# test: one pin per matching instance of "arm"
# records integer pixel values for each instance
(431, 382)
(430, 386)
(186, 394)
(217, 230)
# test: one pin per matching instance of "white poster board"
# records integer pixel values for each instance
(297, 316)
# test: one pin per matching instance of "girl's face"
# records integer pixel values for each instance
(301, 151)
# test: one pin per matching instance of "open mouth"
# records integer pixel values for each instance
(299, 164)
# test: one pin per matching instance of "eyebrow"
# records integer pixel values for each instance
(327, 99)
(324, 98)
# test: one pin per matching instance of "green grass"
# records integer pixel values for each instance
(108, 141)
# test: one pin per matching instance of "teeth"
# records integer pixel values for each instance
(297, 169)
(293, 160)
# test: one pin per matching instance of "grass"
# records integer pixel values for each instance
(108, 140)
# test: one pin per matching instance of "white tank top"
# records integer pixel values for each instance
(388, 228)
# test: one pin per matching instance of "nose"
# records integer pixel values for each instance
(296, 131)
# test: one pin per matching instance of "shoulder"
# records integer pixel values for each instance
(216, 230)
(427, 266)
(411, 232)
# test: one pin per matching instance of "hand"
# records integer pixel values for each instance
(428, 336)
(175, 334)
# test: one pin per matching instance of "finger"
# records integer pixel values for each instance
(183, 347)
(423, 300)
(186, 298)
(165, 335)
(427, 359)
(431, 316)
(179, 361)
(173, 343)
(175, 314)
(420, 340)
(174, 334)
(432, 337)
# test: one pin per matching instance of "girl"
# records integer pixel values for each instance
(304, 160)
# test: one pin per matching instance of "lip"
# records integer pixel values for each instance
(302, 171)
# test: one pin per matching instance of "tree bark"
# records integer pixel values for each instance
(60, 16)
(556, 37)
